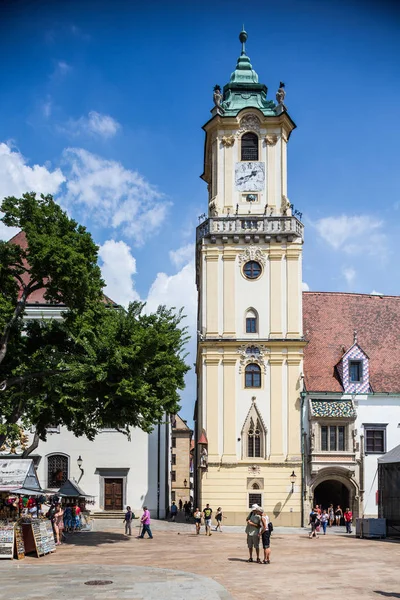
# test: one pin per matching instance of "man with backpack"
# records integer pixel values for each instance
(314, 522)
(128, 520)
(266, 530)
(253, 531)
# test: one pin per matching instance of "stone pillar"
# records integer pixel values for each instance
(229, 447)
(229, 319)
(276, 431)
(294, 404)
(212, 293)
(294, 325)
(275, 290)
(211, 365)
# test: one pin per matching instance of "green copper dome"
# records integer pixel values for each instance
(243, 89)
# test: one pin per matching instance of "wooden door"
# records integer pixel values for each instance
(113, 494)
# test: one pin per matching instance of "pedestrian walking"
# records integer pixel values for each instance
(266, 530)
(338, 515)
(197, 520)
(207, 514)
(218, 517)
(128, 520)
(188, 511)
(331, 514)
(314, 522)
(348, 518)
(173, 511)
(324, 518)
(253, 531)
(180, 504)
(145, 521)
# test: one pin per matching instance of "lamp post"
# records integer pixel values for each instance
(79, 463)
(293, 480)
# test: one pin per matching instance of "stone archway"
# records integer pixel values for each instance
(335, 486)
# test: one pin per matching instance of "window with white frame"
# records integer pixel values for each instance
(375, 439)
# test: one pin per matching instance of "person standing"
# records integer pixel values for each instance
(253, 531)
(197, 520)
(266, 530)
(324, 518)
(348, 518)
(58, 523)
(207, 514)
(180, 504)
(338, 515)
(188, 511)
(128, 521)
(331, 514)
(145, 521)
(173, 511)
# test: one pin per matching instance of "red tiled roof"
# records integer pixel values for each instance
(329, 320)
(37, 297)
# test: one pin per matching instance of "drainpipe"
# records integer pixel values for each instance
(303, 470)
(362, 473)
(167, 462)
(158, 469)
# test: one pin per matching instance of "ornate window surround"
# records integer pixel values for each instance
(255, 416)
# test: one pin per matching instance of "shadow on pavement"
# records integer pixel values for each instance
(95, 538)
(387, 594)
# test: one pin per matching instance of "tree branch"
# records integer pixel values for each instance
(32, 447)
(11, 381)
(7, 329)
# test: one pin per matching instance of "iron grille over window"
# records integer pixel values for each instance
(253, 376)
(249, 146)
(255, 499)
(57, 470)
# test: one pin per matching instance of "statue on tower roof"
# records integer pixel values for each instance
(217, 97)
(281, 93)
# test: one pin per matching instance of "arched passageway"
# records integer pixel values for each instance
(333, 492)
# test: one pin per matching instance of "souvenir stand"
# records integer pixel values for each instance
(21, 529)
(71, 495)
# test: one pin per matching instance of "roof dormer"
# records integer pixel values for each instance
(353, 369)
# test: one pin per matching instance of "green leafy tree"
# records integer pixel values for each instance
(98, 366)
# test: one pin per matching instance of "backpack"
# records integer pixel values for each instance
(270, 527)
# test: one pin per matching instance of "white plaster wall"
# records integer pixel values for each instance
(111, 450)
(377, 410)
(255, 294)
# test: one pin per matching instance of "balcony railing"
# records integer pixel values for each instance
(252, 225)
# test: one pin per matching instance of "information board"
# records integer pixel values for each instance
(19, 543)
(7, 540)
(43, 536)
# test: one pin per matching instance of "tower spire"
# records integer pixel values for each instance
(243, 38)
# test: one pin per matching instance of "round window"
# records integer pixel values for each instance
(252, 269)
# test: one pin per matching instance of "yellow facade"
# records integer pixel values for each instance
(239, 231)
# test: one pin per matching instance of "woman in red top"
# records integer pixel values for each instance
(348, 517)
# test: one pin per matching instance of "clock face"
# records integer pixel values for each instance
(250, 176)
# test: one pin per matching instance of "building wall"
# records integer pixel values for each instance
(111, 454)
(182, 466)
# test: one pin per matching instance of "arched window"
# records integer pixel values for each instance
(255, 486)
(249, 147)
(57, 470)
(251, 321)
(252, 376)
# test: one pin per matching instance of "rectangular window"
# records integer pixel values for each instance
(174, 459)
(355, 371)
(375, 441)
(173, 475)
(251, 325)
(173, 494)
(333, 438)
(255, 499)
(174, 442)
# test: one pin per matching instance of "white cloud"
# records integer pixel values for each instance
(182, 255)
(95, 124)
(355, 235)
(62, 68)
(375, 293)
(349, 275)
(113, 195)
(117, 269)
(305, 287)
(47, 107)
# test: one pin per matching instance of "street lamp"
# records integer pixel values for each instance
(293, 480)
(185, 482)
(79, 463)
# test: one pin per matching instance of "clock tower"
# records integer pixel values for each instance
(250, 339)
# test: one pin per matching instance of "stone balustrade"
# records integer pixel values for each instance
(251, 227)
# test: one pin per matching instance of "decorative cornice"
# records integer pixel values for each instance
(252, 253)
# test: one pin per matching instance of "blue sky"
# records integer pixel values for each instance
(102, 105)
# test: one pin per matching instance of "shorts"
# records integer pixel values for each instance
(253, 541)
(198, 521)
(207, 522)
(266, 538)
